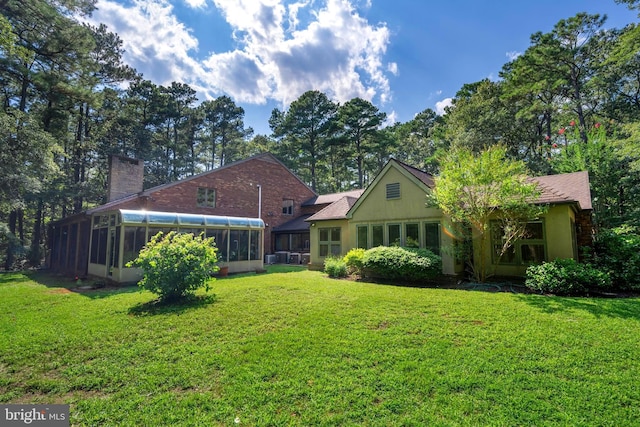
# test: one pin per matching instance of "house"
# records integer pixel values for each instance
(245, 205)
(393, 211)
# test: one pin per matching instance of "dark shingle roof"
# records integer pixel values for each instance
(336, 210)
(326, 199)
(555, 189)
(565, 188)
(424, 177)
(296, 224)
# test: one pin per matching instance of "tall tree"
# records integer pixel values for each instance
(359, 121)
(305, 130)
(224, 130)
(479, 118)
(565, 60)
(416, 141)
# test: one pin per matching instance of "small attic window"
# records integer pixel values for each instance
(287, 207)
(393, 190)
(206, 197)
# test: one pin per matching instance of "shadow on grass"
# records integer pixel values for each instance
(285, 268)
(624, 308)
(176, 306)
(90, 288)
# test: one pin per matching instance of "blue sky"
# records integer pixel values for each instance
(402, 55)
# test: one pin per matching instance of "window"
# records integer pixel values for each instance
(432, 237)
(393, 190)
(287, 207)
(412, 235)
(329, 241)
(99, 246)
(220, 238)
(394, 234)
(377, 236)
(362, 235)
(206, 197)
(254, 249)
(528, 250)
(134, 239)
(239, 245)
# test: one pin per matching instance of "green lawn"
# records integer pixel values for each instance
(297, 348)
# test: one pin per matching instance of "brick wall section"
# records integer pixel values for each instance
(236, 187)
(125, 177)
(584, 231)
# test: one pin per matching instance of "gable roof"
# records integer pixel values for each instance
(342, 203)
(424, 177)
(268, 157)
(555, 189)
(565, 188)
(420, 178)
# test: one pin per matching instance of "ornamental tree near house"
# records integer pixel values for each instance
(472, 190)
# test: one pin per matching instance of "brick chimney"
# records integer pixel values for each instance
(125, 177)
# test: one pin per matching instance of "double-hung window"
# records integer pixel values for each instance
(329, 240)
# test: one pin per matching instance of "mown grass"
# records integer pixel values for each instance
(297, 348)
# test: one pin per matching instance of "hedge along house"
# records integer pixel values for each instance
(393, 211)
(255, 195)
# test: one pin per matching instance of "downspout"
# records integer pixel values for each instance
(259, 201)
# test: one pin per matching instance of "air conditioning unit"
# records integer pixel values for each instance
(294, 258)
(282, 257)
(306, 258)
(270, 259)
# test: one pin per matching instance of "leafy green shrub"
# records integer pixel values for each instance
(353, 260)
(395, 263)
(566, 277)
(335, 267)
(175, 265)
(617, 252)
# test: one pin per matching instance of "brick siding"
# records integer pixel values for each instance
(236, 187)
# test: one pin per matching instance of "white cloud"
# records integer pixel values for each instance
(283, 48)
(442, 105)
(336, 52)
(392, 118)
(155, 42)
(513, 55)
(392, 67)
(196, 4)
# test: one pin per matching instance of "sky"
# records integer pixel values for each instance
(404, 56)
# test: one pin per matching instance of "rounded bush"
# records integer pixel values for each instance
(566, 277)
(397, 263)
(353, 260)
(335, 267)
(175, 265)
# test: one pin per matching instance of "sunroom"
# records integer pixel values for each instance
(118, 236)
